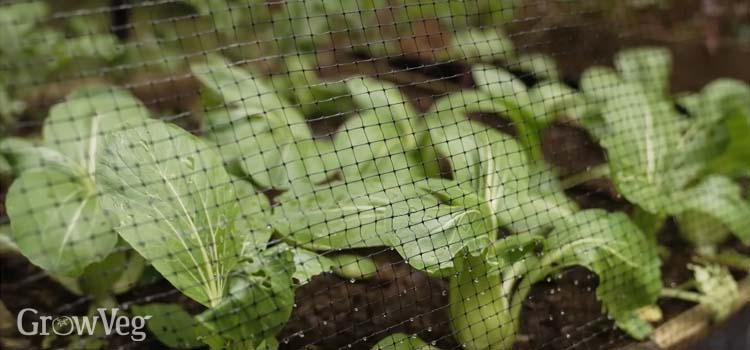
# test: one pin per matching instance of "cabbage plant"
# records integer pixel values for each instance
(665, 162)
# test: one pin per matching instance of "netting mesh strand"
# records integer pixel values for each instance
(372, 174)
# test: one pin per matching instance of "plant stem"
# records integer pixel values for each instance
(588, 175)
(516, 241)
(352, 266)
(729, 258)
(479, 307)
(681, 294)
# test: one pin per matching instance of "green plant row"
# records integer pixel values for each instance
(110, 186)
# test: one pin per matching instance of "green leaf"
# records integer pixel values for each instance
(729, 98)
(502, 85)
(315, 98)
(496, 168)
(371, 145)
(639, 141)
(600, 83)
(224, 83)
(385, 99)
(295, 165)
(509, 250)
(473, 149)
(634, 325)
(611, 246)
(225, 14)
(513, 100)
(98, 277)
(308, 264)
(542, 66)
(482, 316)
(175, 203)
(270, 343)
(417, 221)
(735, 160)
(401, 341)
(551, 100)
(429, 236)
(251, 225)
(701, 229)
(719, 290)
(353, 266)
(258, 302)
(172, 325)
(525, 210)
(719, 119)
(719, 199)
(336, 216)
(56, 220)
(21, 18)
(90, 45)
(481, 46)
(68, 211)
(75, 126)
(130, 274)
(254, 127)
(116, 274)
(454, 108)
(648, 66)
(23, 155)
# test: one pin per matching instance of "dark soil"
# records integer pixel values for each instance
(456, 72)
(550, 321)
(571, 148)
(499, 122)
(335, 313)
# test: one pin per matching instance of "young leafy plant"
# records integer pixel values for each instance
(386, 139)
(201, 229)
(314, 97)
(526, 199)
(662, 161)
(176, 206)
(76, 45)
(257, 132)
(716, 290)
(56, 216)
(488, 291)
(529, 109)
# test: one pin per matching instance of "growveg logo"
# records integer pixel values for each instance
(106, 319)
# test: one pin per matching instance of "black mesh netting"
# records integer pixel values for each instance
(374, 174)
